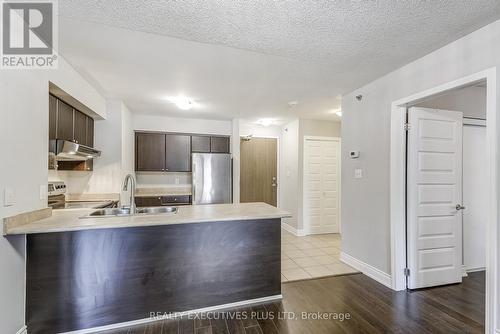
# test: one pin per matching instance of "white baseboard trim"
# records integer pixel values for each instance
(464, 271)
(174, 315)
(293, 230)
(23, 330)
(370, 271)
(473, 270)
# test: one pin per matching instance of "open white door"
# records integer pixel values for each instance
(434, 197)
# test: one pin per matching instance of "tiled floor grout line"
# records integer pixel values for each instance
(311, 256)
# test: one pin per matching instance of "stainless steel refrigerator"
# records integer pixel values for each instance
(212, 178)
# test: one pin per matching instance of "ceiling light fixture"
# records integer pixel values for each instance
(265, 121)
(183, 103)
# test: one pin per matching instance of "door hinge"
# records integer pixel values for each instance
(407, 271)
(406, 127)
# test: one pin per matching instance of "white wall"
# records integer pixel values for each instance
(469, 100)
(257, 130)
(366, 127)
(23, 168)
(289, 171)
(183, 125)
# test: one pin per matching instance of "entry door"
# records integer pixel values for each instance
(321, 186)
(434, 197)
(259, 170)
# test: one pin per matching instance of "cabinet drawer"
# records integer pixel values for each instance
(162, 201)
(169, 200)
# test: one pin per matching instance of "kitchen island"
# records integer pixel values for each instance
(89, 273)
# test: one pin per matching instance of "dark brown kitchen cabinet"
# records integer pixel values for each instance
(64, 121)
(52, 117)
(177, 153)
(79, 127)
(67, 123)
(162, 200)
(219, 144)
(209, 144)
(200, 144)
(90, 132)
(150, 152)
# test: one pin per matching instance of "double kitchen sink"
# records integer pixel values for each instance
(121, 212)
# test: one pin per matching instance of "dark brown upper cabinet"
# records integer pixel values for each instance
(52, 117)
(64, 121)
(219, 144)
(209, 144)
(200, 144)
(80, 128)
(67, 123)
(171, 152)
(90, 132)
(177, 153)
(150, 152)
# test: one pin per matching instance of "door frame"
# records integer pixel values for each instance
(306, 228)
(398, 185)
(278, 161)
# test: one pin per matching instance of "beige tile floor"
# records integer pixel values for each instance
(311, 256)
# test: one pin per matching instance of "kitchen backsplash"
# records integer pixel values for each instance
(145, 179)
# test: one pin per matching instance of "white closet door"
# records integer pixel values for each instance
(475, 196)
(434, 185)
(321, 186)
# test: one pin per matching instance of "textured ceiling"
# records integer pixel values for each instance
(338, 44)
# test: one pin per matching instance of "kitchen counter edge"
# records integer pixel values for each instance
(67, 221)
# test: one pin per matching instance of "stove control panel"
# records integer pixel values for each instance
(56, 188)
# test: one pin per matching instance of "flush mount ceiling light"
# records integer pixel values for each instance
(183, 103)
(265, 121)
(293, 104)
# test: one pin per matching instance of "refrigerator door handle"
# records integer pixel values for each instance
(193, 181)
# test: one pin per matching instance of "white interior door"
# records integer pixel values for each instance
(434, 190)
(475, 197)
(321, 185)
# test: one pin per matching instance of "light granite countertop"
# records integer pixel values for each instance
(69, 220)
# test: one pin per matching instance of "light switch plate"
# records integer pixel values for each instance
(358, 173)
(9, 197)
(43, 192)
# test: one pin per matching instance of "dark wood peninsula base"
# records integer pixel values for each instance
(91, 278)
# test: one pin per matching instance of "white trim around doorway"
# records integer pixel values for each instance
(398, 186)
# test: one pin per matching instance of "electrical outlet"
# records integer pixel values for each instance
(9, 197)
(358, 173)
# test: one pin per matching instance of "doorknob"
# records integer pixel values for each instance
(460, 207)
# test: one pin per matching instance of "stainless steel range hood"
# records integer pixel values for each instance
(65, 150)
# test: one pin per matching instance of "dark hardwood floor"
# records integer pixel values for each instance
(372, 308)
